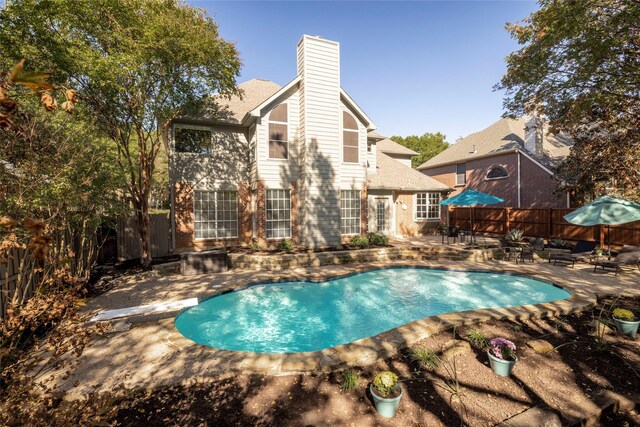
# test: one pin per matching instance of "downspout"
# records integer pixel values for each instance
(519, 199)
(172, 210)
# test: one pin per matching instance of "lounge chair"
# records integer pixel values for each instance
(581, 250)
(629, 256)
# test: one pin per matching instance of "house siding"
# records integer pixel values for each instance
(536, 185)
(319, 67)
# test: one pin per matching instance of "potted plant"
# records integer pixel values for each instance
(386, 393)
(626, 322)
(502, 356)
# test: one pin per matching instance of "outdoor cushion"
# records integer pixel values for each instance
(581, 250)
(628, 256)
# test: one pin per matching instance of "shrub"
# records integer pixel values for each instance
(350, 378)
(377, 239)
(623, 314)
(385, 383)
(359, 242)
(477, 338)
(515, 235)
(425, 357)
(503, 349)
(254, 246)
(285, 246)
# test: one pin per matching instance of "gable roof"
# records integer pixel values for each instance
(393, 175)
(389, 146)
(254, 92)
(504, 136)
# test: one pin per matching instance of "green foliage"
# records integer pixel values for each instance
(579, 65)
(425, 357)
(515, 235)
(359, 242)
(254, 246)
(385, 383)
(285, 246)
(350, 379)
(427, 145)
(377, 239)
(477, 339)
(136, 64)
(623, 314)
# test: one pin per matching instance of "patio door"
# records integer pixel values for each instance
(382, 215)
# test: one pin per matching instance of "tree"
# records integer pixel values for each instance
(579, 65)
(426, 145)
(136, 64)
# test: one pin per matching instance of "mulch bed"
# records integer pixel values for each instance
(566, 380)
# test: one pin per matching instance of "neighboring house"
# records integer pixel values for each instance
(513, 158)
(297, 162)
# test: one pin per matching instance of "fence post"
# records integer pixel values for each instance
(550, 223)
(508, 222)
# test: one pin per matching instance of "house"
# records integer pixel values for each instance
(300, 162)
(514, 159)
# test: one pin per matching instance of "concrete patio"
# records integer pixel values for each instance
(148, 351)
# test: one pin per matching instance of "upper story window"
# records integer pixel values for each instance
(349, 138)
(192, 140)
(279, 133)
(497, 172)
(461, 174)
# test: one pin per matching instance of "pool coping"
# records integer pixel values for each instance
(368, 350)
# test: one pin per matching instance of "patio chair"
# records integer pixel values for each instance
(629, 256)
(518, 251)
(452, 232)
(581, 250)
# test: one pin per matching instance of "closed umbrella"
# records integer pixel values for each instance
(605, 210)
(471, 198)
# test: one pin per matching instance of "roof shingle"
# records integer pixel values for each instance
(393, 175)
(502, 136)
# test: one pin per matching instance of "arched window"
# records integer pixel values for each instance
(349, 138)
(279, 133)
(496, 172)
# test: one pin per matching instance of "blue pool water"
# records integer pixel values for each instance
(291, 317)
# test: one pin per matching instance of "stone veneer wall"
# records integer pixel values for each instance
(285, 261)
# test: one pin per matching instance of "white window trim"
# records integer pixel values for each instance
(415, 207)
(210, 239)
(359, 214)
(497, 178)
(290, 215)
(465, 174)
(356, 131)
(194, 127)
(288, 136)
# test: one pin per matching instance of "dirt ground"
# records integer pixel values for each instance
(567, 380)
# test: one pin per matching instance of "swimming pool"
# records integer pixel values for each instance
(289, 317)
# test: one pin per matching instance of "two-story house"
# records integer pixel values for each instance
(299, 162)
(514, 159)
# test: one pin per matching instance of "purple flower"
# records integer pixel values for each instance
(502, 348)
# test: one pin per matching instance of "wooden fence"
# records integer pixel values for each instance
(547, 223)
(129, 242)
(18, 279)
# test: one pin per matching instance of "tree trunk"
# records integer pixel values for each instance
(142, 220)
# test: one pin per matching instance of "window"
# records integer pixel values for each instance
(252, 144)
(279, 133)
(461, 174)
(427, 206)
(278, 214)
(496, 172)
(192, 140)
(350, 212)
(381, 215)
(215, 214)
(349, 138)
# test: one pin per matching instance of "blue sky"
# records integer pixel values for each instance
(413, 67)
